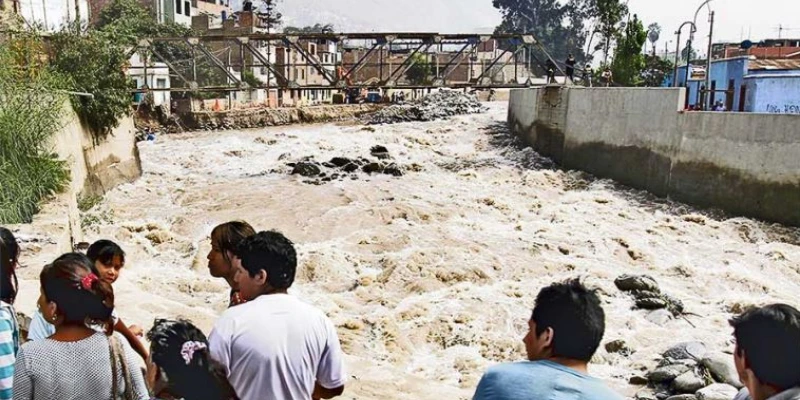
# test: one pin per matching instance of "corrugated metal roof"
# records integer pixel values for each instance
(774, 64)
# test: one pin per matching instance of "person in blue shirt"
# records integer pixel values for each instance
(767, 355)
(565, 330)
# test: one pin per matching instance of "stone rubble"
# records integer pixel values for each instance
(340, 168)
(688, 371)
(647, 294)
(439, 105)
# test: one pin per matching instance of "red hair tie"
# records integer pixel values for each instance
(88, 280)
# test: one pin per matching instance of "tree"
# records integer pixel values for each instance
(127, 21)
(558, 26)
(656, 71)
(608, 16)
(269, 14)
(420, 71)
(653, 34)
(629, 62)
(94, 63)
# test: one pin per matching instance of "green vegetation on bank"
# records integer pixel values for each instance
(31, 107)
(37, 73)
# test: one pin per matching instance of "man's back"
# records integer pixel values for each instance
(277, 347)
(540, 380)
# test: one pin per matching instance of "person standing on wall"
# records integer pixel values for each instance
(551, 71)
(608, 76)
(570, 63)
(587, 74)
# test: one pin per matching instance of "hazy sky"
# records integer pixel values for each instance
(735, 19)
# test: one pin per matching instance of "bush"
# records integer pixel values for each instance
(95, 63)
(31, 108)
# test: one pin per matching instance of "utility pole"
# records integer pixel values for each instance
(230, 93)
(710, 95)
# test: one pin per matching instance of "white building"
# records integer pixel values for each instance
(157, 78)
(177, 11)
(52, 15)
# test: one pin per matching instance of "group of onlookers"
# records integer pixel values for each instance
(268, 344)
(271, 345)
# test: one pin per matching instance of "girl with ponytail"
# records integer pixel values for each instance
(180, 366)
(107, 259)
(77, 361)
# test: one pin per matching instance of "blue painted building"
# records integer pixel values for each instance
(738, 76)
(777, 93)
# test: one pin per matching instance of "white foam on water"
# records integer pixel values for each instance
(433, 274)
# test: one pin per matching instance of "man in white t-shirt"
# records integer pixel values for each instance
(275, 346)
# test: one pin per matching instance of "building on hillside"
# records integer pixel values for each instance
(747, 83)
(172, 11)
(95, 9)
(217, 10)
(53, 15)
(245, 23)
(507, 69)
(766, 49)
(295, 68)
(156, 77)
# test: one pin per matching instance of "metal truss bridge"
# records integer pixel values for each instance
(373, 60)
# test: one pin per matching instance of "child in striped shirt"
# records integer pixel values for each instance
(9, 331)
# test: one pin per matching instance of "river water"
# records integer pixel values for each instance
(430, 277)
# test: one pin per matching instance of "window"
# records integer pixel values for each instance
(178, 4)
(161, 83)
(263, 70)
(302, 74)
(187, 9)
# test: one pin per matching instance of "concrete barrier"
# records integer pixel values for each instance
(98, 166)
(95, 168)
(744, 163)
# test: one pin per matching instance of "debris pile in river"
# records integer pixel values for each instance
(442, 104)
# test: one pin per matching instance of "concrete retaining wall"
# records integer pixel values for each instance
(95, 168)
(747, 164)
(98, 167)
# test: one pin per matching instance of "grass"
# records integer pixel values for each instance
(86, 203)
(30, 114)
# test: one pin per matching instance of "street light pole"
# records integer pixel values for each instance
(689, 46)
(677, 58)
(678, 52)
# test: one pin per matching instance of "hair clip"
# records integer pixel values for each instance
(188, 349)
(88, 280)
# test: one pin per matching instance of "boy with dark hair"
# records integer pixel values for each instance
(767, 355)
(275, 345)
(565, 330)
